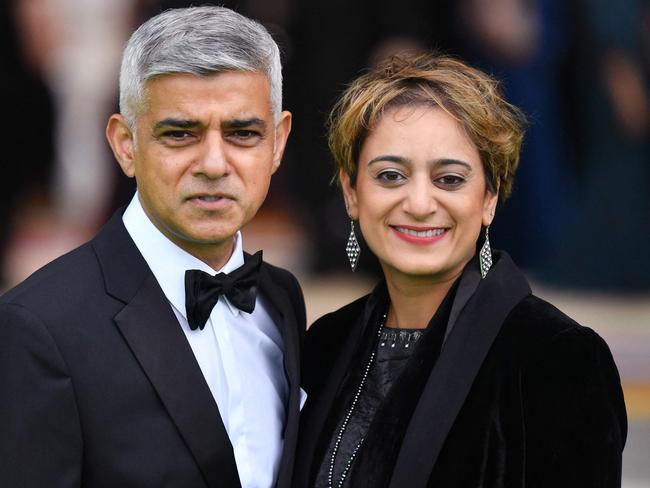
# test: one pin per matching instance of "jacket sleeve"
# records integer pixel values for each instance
(574, 414)
(40, 435)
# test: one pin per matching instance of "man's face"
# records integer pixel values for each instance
(203, 153)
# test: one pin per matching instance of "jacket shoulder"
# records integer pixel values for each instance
(536, 323)
(281, 275)
(288, 281)
(336, 323)
(65, 278)
(324, 340)
(572, 398)
(539, 311)
(546, 336)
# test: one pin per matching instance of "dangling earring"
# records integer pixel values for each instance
(485, 256)
(352, 249)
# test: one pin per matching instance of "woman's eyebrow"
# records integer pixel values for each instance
(389, 158)
(451, 162)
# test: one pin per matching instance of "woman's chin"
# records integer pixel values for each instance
(421, 271)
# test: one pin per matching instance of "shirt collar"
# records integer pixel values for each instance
(167, 261)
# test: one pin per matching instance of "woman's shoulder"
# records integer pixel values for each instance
(327, 334)
(537, 313)
(332, 322)
(569, 380)
(543, 331)
(326, 337)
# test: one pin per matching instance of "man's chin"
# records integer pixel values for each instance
(205, 240)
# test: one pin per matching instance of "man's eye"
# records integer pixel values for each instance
(177, 134)
(245, 134)
(244, 137)
(177, 137)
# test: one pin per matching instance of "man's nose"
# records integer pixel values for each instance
(212, 160)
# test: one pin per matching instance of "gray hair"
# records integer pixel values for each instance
(200, 41)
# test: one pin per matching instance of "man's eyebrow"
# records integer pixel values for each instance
(244, 123)
(176, 123)
(389, 158)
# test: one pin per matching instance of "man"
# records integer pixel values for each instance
(110, 376)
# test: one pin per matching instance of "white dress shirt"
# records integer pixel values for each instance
(240, 354)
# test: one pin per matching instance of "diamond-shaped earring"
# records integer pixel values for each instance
(485, 256)
(352, 248)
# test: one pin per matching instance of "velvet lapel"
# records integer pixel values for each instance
(462, 355)
(151, 329)
(282, 313)
(322, 406)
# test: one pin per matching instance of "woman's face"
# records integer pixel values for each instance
(420, 195)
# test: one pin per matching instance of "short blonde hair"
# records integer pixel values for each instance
(469, 95)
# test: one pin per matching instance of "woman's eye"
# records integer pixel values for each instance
(450, 180)
(390, 176)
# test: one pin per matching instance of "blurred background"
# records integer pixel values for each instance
(578, 222)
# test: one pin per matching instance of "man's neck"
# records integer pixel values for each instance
(215, 255)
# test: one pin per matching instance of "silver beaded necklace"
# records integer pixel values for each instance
(339, 436)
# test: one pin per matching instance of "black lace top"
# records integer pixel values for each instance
(404, 359)
(393, 350)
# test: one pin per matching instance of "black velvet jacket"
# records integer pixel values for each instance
(520, 396)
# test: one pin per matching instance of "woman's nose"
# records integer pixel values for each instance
(420, 200)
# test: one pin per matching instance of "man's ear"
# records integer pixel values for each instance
(120, 138)
(282, 129)
(350, 195)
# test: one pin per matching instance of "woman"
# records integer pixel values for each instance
(450, 373)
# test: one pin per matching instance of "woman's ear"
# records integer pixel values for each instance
(120, 138)
(489, 207)
(350, 195)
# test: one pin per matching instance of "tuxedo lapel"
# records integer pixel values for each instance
(283, 314)
(151, 329)
(156, 339)
(450, 381)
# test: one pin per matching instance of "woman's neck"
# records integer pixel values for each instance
(414, 302)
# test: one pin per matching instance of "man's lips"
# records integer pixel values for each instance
(419, 235)
(210, 200)
(209, 196)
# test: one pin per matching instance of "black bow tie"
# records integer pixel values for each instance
(202, 290)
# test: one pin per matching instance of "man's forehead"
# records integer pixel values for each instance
(240, 97)
(234, 78)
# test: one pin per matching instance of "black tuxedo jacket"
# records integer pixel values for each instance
(521, 396)
(99, 386)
